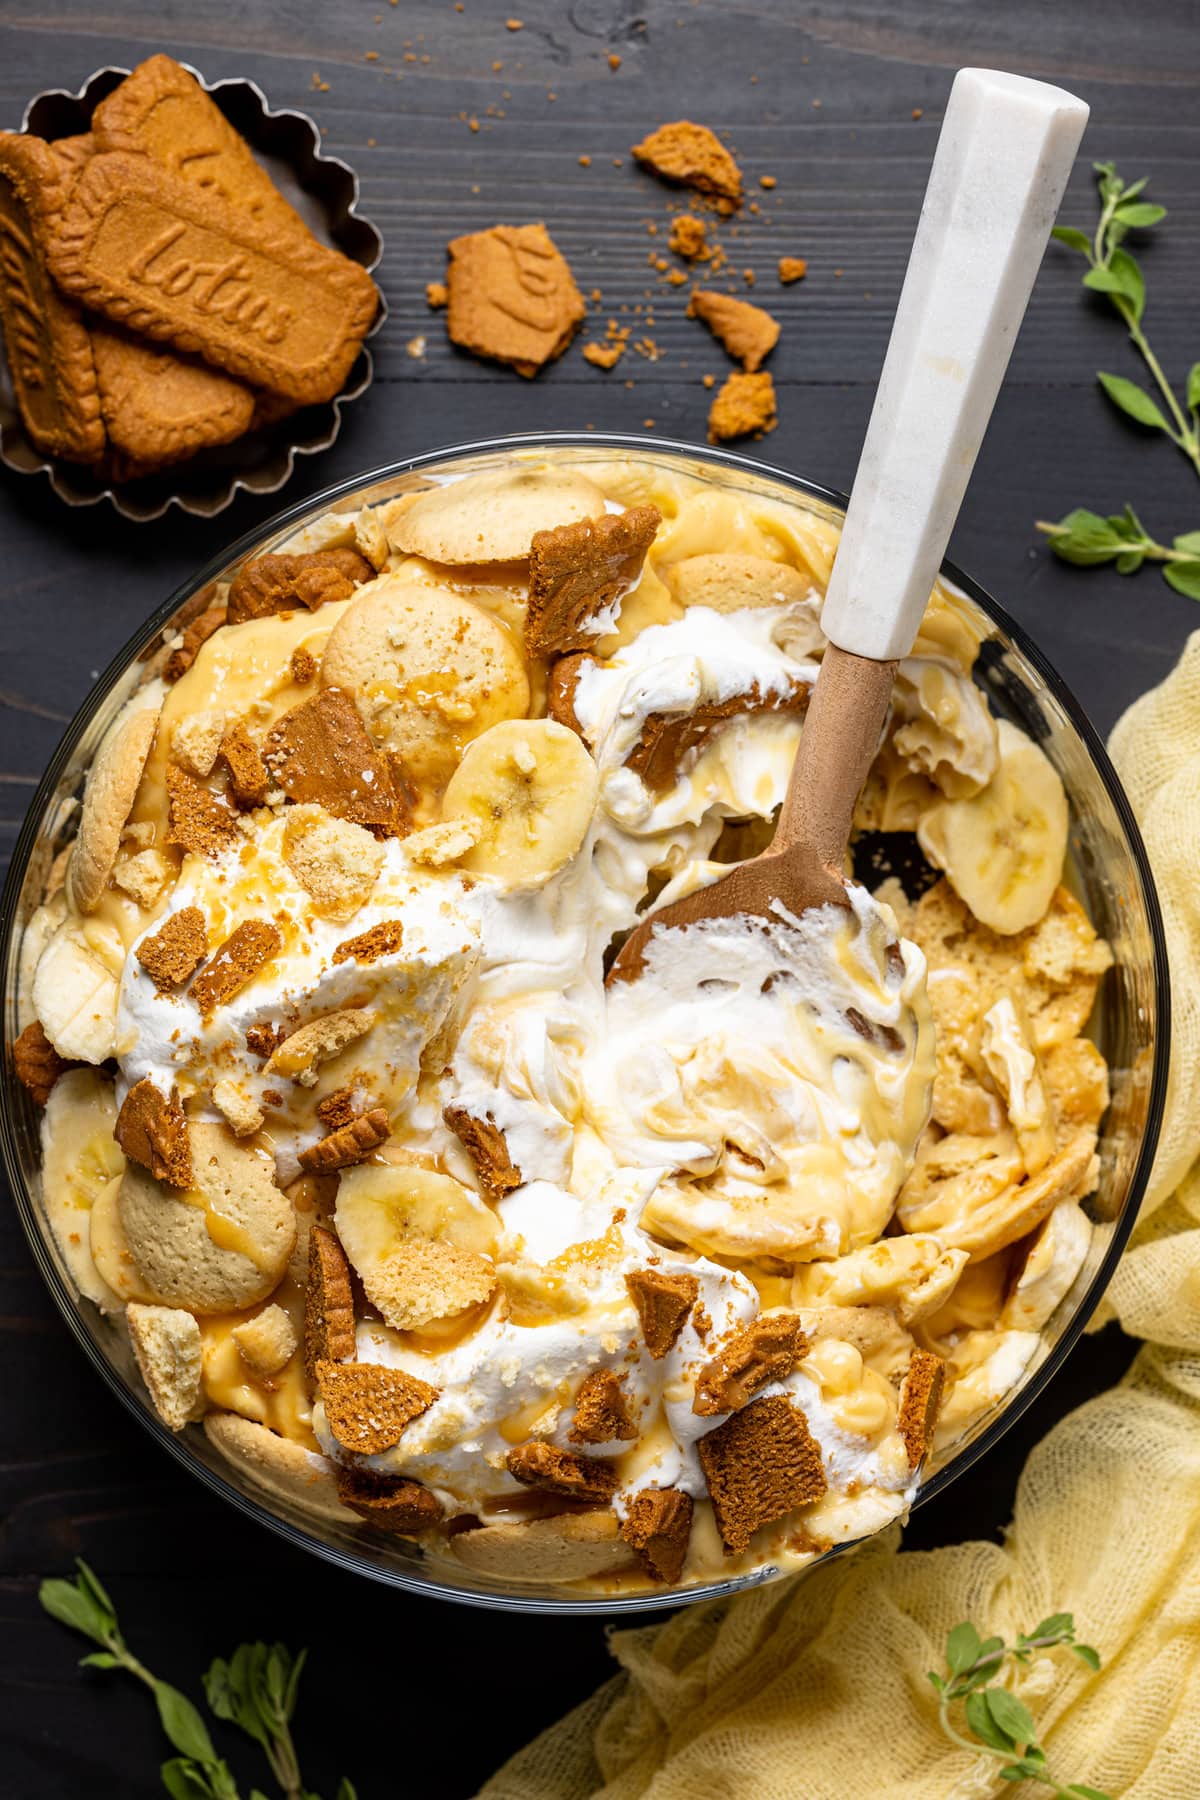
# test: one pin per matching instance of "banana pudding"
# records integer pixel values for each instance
(431, 1229)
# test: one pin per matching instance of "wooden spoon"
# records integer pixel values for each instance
(1005, 151)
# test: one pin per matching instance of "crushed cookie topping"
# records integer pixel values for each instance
(152, 1130)
(176, 949)
(767, 1349)
(37, 1062)
(348, 1145)
(485, 1144)
(663, 1303)
(199, 820)
(578, 571)
(761, 1463)
(562, 1472)
(328, 1304)
(381, 940)
(367, 1406)
(319, 752)
(231, 968)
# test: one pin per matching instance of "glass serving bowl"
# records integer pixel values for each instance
(1109, 869)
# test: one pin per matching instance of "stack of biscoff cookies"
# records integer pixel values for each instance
(158, 294)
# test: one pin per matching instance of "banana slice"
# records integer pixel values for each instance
(75, 997)
(421, 1242)
(80, 1161)
(530, 786)
(36, 935)
(1055, 1258)
(1003, 848)
(429, 669)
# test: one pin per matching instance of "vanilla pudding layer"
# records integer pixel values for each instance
(754, 1112)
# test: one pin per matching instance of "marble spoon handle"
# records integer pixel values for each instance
(1005, 151)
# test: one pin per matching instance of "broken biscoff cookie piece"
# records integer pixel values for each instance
(511, 296)
(578, 575)
(747, 332)
(152, 1130)
(744, 405)
(561, 1472)
(920, 1401)
(320, 754)
(761, 1463)
(272, 584)
(367, 1406)
(404, 1507)
(175, 951)
(328, 1304)
(664, 1303)
(693, 156)
(198, 819)
(348, 1145)
(37, 1063)
(658, 1526)
(485, 1144)
(247, 949)
(767, 1349)
(602, 1413)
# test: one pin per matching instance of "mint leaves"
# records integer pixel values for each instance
(1001, 1724)
(255, 1690)
(1084, 537)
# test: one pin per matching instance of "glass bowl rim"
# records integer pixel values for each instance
(428, 1585)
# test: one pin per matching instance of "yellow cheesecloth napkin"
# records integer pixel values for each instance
(815, 1689)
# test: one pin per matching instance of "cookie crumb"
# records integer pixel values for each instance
(368, 1406)
(562, 1472)
(176, 949)
(663, 1302)
(792, 268)
(747, 332)
(659, 1526)
(601, 1410)
(245, 951)
(693, 156)
(744, 405)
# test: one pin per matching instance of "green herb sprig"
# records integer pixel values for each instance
(1113, 271)
(1002, 1726)
(1087, 538)
(256, 1689)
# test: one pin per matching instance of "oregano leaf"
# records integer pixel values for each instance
(1087, 1655)
(1132, 399)
(1184, 577)
(1011, 1715)
(183, 1724)
(70, 1605)
(1073, 238)
(962, 1648)
(1139, 217)
(979, 1718)
(1193, 388)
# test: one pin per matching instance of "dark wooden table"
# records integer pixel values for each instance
(823, 98)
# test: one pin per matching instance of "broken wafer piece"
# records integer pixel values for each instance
(658, 1526)
(693, 156)
(247, 949)
(561, 1472)
(602, 1413)
(320, 754)
(243, 1115)
(272, 584)
(49, 348)
(152, 1130)
(761, 1463)
(747, 332)
(348, 1145)
(268, 1341)
(166, 1347)
(368, 1406)
(175, 951)
(138, 245)
(511, 296)
(328, 1304)
(920, 1402)
(198, 820)
(578, 575)
(485, 1144)
(767, 1349)
(300, 1056)
(404, 1507)
(664, 1303)
(743, 405)
(726, 581)
(336, 862)
(37, 1063)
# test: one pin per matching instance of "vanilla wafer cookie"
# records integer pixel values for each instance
(173, 262)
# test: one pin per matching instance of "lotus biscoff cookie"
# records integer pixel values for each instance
(49, 350)
(161, 111)
(173, 262)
